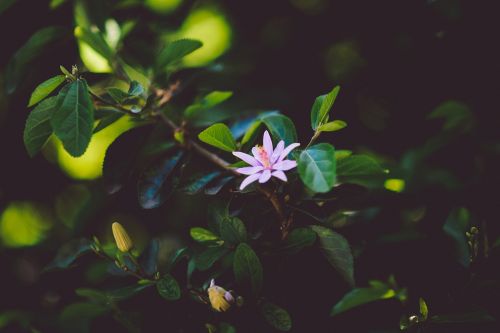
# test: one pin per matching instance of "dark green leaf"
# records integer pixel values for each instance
(332, 126)
(281, 127)
(297, 239)
(247, 268)
(20, 63)
(106, 121)
(337, 251)
(226, 328)
(207, 258)
(176, 50)
(477, 316)
(96, 41)
(456, 114)
(316, 166)
(5, 4)
(359, 296)
(218, 185)
(232, 230)
(135, 89)
(168, 288)
(69, 252)
(73, 119)
(202, 235)
(76, 317)
(200, 183)
(208, 101)
(45, 88)
(321, 108)
(455, 227)
(157, 183)
(38, 128)
(149, 258)
(117, 94)
(277, 317)
(218, 135)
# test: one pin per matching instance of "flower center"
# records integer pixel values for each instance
(264, 157)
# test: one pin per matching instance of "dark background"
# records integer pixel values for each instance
(395, 61)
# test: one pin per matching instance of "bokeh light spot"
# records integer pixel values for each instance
(23, 224)
(92, 60)
(394, 184)
(162, 6)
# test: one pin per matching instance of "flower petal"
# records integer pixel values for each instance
(250, 179)
(229, 297)
(246, 158)
(256, 154)
(287, 151)
(250, 170)
(268, 143)
(285, 165)
(277, 151)
(280, 175)
(265, 176)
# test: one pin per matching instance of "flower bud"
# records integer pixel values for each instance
(220, 299)
(122, 239)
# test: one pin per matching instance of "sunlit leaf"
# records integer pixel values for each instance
(106, 121)
(332, 126)
(316, 166)
(38, 128)
(337, 251)
(218, 135)
(321, 108)
(202, 235)
(176, 50)
(247, 268)
(45, 88)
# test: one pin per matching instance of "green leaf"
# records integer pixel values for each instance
(76, 317)
(202, 235)
(477, 316)
(424, 311)
(281, 127)
(199, 183)
(73, 119)
(157, 183)
(251, 132)
(208, 101)
(332, 126)
(5, 4)
(45, 88)
(277, 317)
(456, 115)
(218, 135)
(247, 268)
(337, 251)
(316, 166)
(218, 185)
(96, 41)
(106, 121)
(232, 230)
(359, 296)
(298, 239)
(69, 252)
(358, 169)
(455, 226)
(20, 63)
(135, 89)
(321, 108)
(117, 94)
(176, 50)
(168, 288)
(38, 128)
(207, 258)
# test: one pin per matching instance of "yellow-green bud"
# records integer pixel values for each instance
(122, 239)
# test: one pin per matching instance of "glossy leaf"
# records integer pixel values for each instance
(176, 50)
(281, 127)
(69, 252)
(73, 119)
(332, 126)
(45, 88)
(199, 183)
(157, 183)
(202, 235)
(232, 230)
(337, 251)
(218, 135)
(321, 108)
(135, 89)
(277, 317)
(316, 166)
(247, 268)
(218, 185)
(168, 288)
(38, 129)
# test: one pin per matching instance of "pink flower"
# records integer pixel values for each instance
(266, 161)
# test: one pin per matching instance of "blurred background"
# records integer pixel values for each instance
(419, 87)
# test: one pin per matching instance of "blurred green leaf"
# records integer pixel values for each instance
(424, 311)
(38, 128)
(281, 127)
(73, 118)
(135, 89)
(78, 316)
(200, 182)
(332, 126)
(455, 226)
(117, 94)
(96, 41)
(159, 181)
(247, 268)
(218, 135)
(168, 288)
(5, 4)
(316, 166)
(69, 252)
(149, 257)
(218, 185)
(20, 63)
(337, 251)
(456, 115)
(108, 120)
(45, 88)
(202, 235)
(277, 317)
(359, 296)
(232, 230)
(176, 50)
(477, 316)
(321, 108)
(359, 169)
